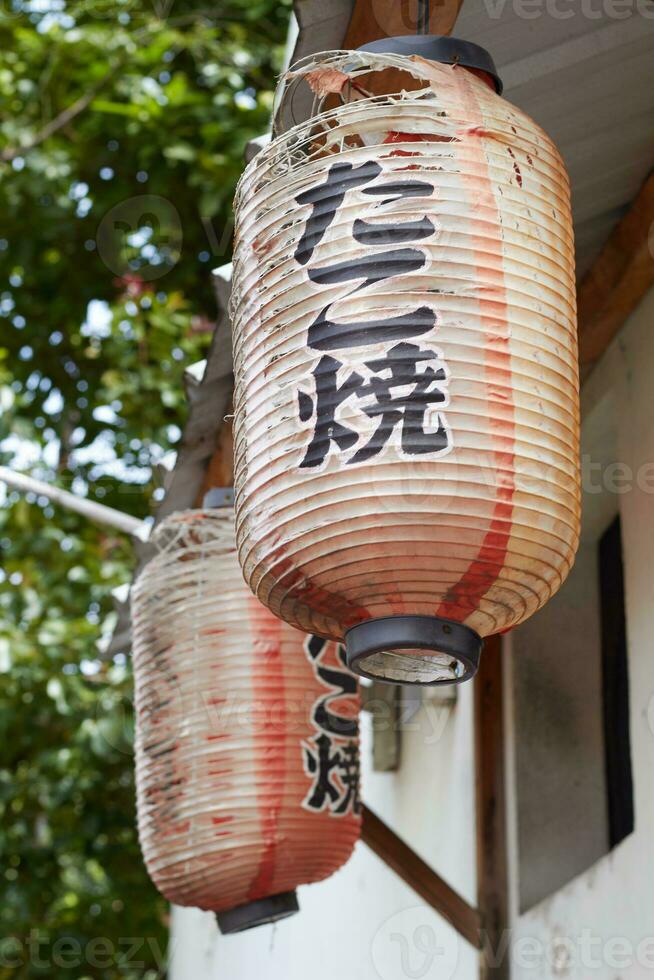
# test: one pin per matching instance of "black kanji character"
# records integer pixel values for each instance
(370, 268)
(328, 397)
(326, 200)
(407, 408)
(348, 772)
(320, 763)
(395, 190)
(342, 683)
(326, 334)
(371, 233)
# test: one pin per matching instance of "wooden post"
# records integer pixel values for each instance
(492, 872)
(374, 19)
(220, 471)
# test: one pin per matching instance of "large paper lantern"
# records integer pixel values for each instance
(406, 406)
(246, 735)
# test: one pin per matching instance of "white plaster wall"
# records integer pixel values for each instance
(601, 926)
(364, 923)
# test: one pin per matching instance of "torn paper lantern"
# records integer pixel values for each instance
(406, 403)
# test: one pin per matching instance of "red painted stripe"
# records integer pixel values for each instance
(271, 702)
(177, 829)
(312, 597)
(482, 573)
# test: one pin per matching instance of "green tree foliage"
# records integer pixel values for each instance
(122, 129)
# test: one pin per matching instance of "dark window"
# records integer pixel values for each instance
(573, 776)
(619, 781)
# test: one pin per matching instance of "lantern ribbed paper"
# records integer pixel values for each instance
(246, 738)
(406, 407)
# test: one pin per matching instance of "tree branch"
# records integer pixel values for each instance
(63, 118)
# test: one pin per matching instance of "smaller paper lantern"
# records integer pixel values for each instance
(247, 759)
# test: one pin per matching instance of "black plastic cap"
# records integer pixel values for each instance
(438, 47)
(423, 650)
(262, 912)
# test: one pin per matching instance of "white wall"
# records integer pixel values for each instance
(601, 925)
(364, 923)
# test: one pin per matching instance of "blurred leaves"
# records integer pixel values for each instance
(122, 129)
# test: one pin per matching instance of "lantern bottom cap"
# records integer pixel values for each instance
(261, 912)
(422, 650)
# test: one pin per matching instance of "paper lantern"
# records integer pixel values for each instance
(246, 735)
(406, 405)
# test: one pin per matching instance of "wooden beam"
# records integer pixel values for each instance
(373, 19)
(220, 471)
(492, 862)
(419, 876)
(618, 280)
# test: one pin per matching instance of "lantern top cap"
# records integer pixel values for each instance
(438, 47)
